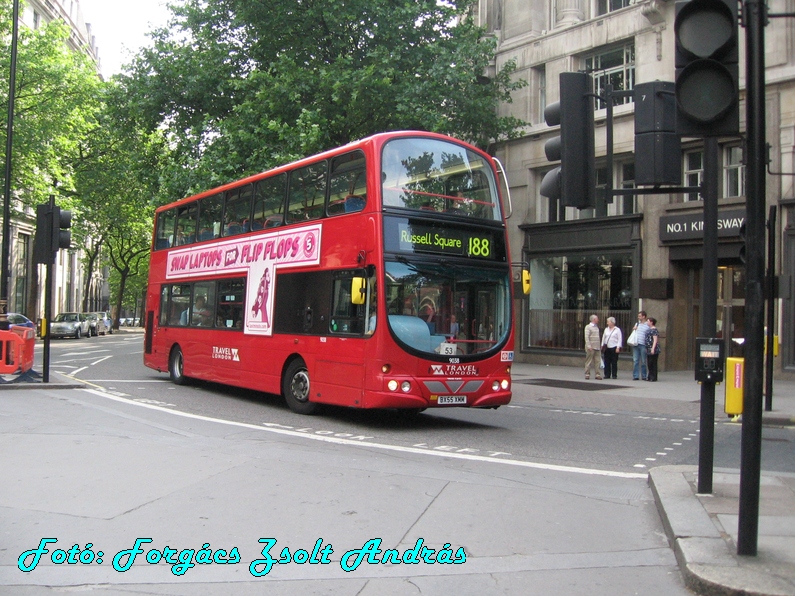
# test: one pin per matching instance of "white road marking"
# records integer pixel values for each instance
(397, 448)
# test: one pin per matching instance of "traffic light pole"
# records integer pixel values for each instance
(46, 323)
(771, 310)
(709, 311)
(751, 437)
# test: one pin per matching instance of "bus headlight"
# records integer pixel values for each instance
(495, 386)
(386, 368)
(505, 384)
(393, 385)
(405, 386)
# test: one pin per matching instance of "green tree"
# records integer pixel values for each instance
(128, 255)
(56, 98)
(240, 86)
(116, 182)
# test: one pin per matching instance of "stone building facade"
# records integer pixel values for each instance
(26, 289)
(636, 251)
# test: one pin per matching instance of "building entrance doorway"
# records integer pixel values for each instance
(730, 324)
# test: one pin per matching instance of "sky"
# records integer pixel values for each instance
(120, 28)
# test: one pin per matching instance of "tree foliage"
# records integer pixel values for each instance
(116, 182)
(55, 104)
(240, 85)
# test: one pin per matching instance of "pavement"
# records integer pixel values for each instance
(701, 529)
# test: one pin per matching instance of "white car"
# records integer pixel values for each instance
(104, 316)
(70, 324)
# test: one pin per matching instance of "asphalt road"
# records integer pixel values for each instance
(537, 428)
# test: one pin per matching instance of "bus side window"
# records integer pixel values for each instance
(307, 193)
(231, 294)
(186, 224)
(203, 305)
(164, 312)
(347, 184)
(269, 203)
(210, 217)
(164, 229)
(346, 317)
(237, 211)
(175, 300)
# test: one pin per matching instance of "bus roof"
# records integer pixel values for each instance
(377, 139)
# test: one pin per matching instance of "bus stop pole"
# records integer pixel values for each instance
(709, 311)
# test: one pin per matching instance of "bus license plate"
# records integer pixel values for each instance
(451, 399)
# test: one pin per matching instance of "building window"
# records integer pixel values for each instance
(629, 203)
(615, 67)
(541, 97)
(734, 170)
(36, 20)
(21, 268)
(694, 172)
(606, 6)
(567, 290)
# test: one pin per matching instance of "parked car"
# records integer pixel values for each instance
(106, 318)
(95, 324)
(17, 320)
(70, 324)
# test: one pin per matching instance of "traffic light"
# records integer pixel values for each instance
(574, 180)
(52, 233)
(42, 242)
(658, 149)
(62, 221)
(707, 72)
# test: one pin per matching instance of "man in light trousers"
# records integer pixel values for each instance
(593, 352)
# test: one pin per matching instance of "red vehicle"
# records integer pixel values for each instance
(375, 275)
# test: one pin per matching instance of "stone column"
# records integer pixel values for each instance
(569, 12)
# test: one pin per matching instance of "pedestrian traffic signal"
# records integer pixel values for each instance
(52, 233)
(707, 72)
(574, 180)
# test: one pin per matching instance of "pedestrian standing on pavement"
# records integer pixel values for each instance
(592, 351)
(652, 348)
(639, 349)
(612, 341)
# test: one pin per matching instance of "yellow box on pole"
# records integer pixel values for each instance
(733, 404)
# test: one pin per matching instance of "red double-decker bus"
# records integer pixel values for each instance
(375, 275)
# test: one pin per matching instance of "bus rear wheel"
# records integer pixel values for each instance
(295, 388)
(175, 365)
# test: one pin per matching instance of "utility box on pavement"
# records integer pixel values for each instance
(733, 404)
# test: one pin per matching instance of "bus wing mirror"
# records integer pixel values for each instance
(527, 282)
(358, 290)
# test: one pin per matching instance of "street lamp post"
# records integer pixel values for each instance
(6, 249)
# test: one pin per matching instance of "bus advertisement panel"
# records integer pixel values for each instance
(376, 275)
(257, 258)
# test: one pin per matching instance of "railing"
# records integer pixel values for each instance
(564, 329)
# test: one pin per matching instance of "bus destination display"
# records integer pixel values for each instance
(445, 241)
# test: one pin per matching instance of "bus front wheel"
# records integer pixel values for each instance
(295, 388)
(175, 364)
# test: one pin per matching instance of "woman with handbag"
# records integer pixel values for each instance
(612, 340)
